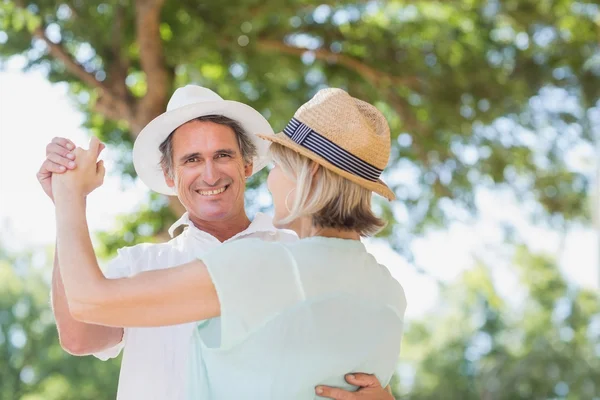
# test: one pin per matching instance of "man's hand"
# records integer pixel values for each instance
(59, 159)
(370, 389)
(88, 175)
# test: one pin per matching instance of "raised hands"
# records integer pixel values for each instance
(85, 177)
(60, 158)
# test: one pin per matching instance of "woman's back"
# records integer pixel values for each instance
(297, 315)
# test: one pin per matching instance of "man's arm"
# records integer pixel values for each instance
(78, 338)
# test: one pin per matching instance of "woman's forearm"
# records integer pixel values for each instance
(79, 268)
(162, 297)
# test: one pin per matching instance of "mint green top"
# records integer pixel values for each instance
(295, 315)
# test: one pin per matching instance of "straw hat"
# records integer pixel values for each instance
(187, 103)
(345, 135)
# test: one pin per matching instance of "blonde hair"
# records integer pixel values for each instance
(330, 199)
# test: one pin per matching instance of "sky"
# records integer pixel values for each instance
(33, 111)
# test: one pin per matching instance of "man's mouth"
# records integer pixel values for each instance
(212, 192)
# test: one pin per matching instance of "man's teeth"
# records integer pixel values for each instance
(212, 192)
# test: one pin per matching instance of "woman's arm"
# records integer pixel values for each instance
(164, 297)
(154, 298)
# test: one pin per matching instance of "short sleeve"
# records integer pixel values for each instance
(255, 281)
(118, 267)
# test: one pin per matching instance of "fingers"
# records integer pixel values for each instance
(94, 146)
(100, 171)
(60, 155)
(94, 149)
(61, 161)
(48, 168)
(62, 142)
(363, 380)
(334, 393)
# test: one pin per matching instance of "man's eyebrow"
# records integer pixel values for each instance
(226, 151)
(230, 152)
(189, 155)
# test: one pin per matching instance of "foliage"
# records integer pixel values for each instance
(540, 342)
(33, 366)
(477, 92)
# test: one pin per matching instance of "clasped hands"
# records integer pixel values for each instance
(87, 176)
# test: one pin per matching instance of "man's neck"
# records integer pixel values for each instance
(224, 229)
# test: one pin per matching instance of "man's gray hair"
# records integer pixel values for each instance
(247, 147)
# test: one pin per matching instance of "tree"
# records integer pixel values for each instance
(543, 342)
(33, 366)
(470, 88)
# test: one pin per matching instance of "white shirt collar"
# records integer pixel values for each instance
(260, 223)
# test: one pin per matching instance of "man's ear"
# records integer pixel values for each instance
(170, 182)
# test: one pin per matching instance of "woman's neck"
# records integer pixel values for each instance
(304, 228)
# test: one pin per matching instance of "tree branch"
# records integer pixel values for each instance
(58, 52)
(369, 73)
(382, 81)
(158, 77)
(109, 104)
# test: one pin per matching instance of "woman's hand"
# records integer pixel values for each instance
(87, 176)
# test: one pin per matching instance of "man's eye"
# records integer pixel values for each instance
(193, 159)
(223, 155)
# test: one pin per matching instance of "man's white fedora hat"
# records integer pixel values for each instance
(187, 103)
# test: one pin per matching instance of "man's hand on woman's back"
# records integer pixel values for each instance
(369, 389)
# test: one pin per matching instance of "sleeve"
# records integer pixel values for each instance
(254, 280)
(118, 267)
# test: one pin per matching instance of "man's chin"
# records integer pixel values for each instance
(211, 214)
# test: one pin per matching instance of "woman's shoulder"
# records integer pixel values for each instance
(250, 244)
(252, 250)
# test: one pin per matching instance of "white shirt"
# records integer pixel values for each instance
(155, 360)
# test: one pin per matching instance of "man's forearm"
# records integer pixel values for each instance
(78, 338)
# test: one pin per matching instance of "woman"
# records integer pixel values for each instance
(291, 314)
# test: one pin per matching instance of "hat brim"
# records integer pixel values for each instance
(378, 186)
(146, 153)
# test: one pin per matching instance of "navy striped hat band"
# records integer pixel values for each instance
(325, 148)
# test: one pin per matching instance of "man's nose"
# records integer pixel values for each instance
(211, 173)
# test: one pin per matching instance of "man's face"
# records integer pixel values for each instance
(209, 174)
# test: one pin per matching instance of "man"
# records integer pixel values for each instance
(201, 150)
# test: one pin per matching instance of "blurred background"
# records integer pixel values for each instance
(494, 108)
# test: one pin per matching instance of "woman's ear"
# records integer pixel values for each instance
(248, 170)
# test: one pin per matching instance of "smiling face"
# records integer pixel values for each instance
(208, 171)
